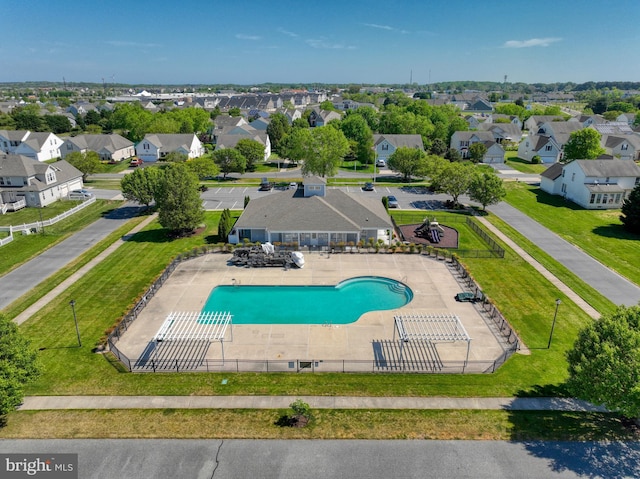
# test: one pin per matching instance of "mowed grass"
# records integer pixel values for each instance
(598, 232)
(328, 424)
(109, 290)
(23, 248)
(522, 165)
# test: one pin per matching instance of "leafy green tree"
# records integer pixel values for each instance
(28, 118)
(327, 105)
(18, 365)
(229, 160)
(92, 117)
(583, 144)
(453, 155)
(604, 363)
(235, 111)
(132, 120)
(455, 179)
(299, 123)
(88, 163)
(178, 199)
(370, 115)
(486, 188)
(411, 162)
(438, 147)
(295, 146)
(246, 201)
(203, 167)
(252, 150)
(278, 129)
(57, 123)
(356, 129)
(477, 151)
(631, 211)
(176, 157)
(325, 153)
(141, 185)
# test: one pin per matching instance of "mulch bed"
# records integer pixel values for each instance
(448, 240)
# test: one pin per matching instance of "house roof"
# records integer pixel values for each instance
(171, 141)
(481, 135)
(336, 211)
(608, 168)
(25, 167)
(111, 143)
(36, 140)
(509, 129)
(612, 127)
(596, 188)
(553, 172)
(14, 135)
(611, 141)
(399, 141)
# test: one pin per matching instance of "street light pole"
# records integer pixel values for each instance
(553, 325)
(75, 320)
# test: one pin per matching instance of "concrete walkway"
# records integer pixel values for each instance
(34, 403)
(55, 292)
(610, 284)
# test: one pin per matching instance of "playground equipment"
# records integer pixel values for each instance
(266, 256)
(431, 230)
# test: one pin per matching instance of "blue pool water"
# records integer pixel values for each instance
(340, 304)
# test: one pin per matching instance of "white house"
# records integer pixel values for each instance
(41, 146)
(10, 139)
(39, 184)
(462, 140)
(112, 148)
(386, 145)
(155, 146)
(592, 184)
(543, 146)
(625, 147)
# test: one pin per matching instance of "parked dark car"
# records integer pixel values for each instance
(368, 187)
(265, 185)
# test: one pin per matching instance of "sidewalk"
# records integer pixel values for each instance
(35, 403)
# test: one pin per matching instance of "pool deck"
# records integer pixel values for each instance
(432, 284)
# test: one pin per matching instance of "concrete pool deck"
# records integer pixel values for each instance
(431, 281)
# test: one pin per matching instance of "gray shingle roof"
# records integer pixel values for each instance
(24, 167)
(400, 141)
(553, 172)
(112, 142)
(613, 168)
(336, 211)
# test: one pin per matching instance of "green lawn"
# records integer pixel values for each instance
(598, 232)
(512, 160)
(71, 370)
(31, 215)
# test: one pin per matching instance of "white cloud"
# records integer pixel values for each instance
(286, 32)
(242, 36)
(533, 42)
(322, 43)
(381, 27)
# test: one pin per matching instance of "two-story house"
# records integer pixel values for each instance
(386, 145)
(462, 140)
(543, 146)
(41, 146)
(625, 147)
(592, 184)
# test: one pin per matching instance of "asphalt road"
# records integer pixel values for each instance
(24, 278)
(310, 459)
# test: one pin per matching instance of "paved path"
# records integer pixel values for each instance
(32, 403)
(581, 303)
(22, 279)
(38, 305)
(610, 284)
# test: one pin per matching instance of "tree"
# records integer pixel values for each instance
(88, 163)
(178, 199)
(408, 161)
(225, 225)
(18, 365)
(356, 129)
(477, 151)
(583, 144)
(487, 188)
(438, 147)
(235, 111)
(454, 179)
(453, 155)
(203, 167)
(631, 211)
(27, 118)
(252, 150)
(229, 160)
(176, 157)
(141, 185)
(325, 152)
(278, 129)
(57, 123)
(604, 363)
(295, 146)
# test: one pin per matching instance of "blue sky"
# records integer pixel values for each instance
(352, 41)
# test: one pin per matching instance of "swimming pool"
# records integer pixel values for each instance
(340, 304)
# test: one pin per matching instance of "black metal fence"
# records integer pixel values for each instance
(496, 249)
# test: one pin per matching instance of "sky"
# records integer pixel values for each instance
(249, 42)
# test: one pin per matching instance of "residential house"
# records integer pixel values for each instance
(229, 138)
(155, 146)
(41, 146)
(260, 123)
(537, 145)
(480, 105)
(292, 115)
(386, 145)
(472, 121)
(462, 140)
(592, 184)
(612, 128)
(588, 120)
(37, 184)
(499, 118)
(559, 130)
(322, 117)
(10, 139)
(625, 147)
(112, 148)
(535, 121)
(313, 216)
(629, 118)
(81, 108)
(503, 132)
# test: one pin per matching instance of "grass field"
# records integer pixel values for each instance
(521, 165)
(597, 232)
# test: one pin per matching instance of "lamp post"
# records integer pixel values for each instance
(553, 325)
(75, 320)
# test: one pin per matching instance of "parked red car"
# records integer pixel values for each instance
(136, 162)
